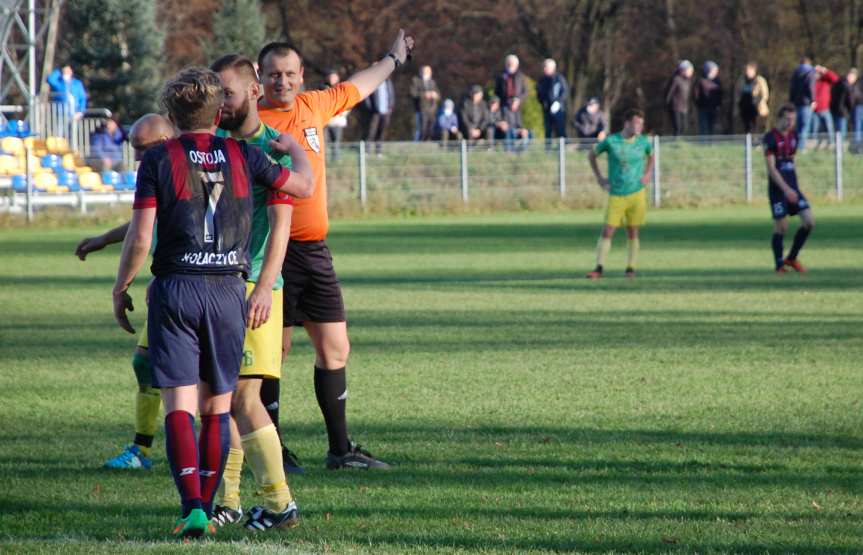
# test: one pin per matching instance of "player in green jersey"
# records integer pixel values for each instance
(630, 163)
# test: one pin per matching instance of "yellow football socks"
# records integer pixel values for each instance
(147, 404)
(229, 490)
(264, 454)
(602, 249)
(632, 255)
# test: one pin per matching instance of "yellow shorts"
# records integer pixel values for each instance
(143, 341)
(627, 210)
(262, 351)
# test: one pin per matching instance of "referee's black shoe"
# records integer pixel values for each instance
(290, 461)
(357, 457)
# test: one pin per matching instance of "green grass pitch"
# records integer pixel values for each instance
(709, 406)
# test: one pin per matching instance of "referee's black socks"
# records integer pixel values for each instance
(332, 394)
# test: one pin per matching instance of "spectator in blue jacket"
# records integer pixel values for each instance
(447, 122)
(552, 92)
(68, 92)
(106, 146)
(802, 95)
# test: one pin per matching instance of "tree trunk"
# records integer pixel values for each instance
(672, 29)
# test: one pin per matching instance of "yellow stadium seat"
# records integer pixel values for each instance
(68, 162)
(8, 164)
(46, 180)
(90, 181)
(57, 145)
(12, 145)
(83, 169)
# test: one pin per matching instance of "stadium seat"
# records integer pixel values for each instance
(51, 161)
(12, 145)
(9, 165)
(46, 181)
(19, 183)
(18, 128)
(111, 178)
(57, 145)
(69, 162)
(90, 181)
(129, 179)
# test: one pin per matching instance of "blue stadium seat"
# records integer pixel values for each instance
(51, 161)
(111, 178)
(18, 128)
(129, 180)
(19, 183)
(68, 179)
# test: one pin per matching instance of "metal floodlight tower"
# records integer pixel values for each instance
(23, 29)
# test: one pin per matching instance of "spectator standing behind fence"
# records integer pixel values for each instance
(822, 121)
(447, 123)
(426, 96)
(68, 92)
(802, 95)
(106, 146)
(677, 96)
(707, 94)
(475, 116)
(842, 102)
(752, 96)
(590, 122)
(552, 92)
(511, 83)
(517, 136)
(379, 107)
(336, 126)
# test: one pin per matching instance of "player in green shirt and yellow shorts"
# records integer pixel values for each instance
(630, 163)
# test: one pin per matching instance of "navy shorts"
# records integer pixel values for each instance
(312, 291)
(197, 324)
(779, 205)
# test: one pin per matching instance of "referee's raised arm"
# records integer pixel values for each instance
(367, 80)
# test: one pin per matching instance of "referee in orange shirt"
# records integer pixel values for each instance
(312, 294)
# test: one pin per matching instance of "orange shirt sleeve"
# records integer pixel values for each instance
(333, 101)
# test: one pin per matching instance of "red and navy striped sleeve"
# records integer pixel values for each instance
(769, 142)
(146, 182)
(264, 171)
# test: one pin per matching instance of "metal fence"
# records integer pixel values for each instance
(406, 176)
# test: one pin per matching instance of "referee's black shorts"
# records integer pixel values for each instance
(312, 291)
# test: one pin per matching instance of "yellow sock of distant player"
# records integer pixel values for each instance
(229, 490)
(147, 403)
(632, 256)
(264, 454)
(602, 249)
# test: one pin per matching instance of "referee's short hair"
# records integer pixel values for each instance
(633, 113)
(235, 62)
(277, 49)
(193, 98)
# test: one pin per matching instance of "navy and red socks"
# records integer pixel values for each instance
(182, 449)
(213, 446)
(332, 394)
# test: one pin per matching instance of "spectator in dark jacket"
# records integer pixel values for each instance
(708, 98)
(497, 124)
(857, 94)
(802, 94)
(552, 92)
(517, 136)
(106, 146)
(475, 116)
(511, 83)
(822, 121)
(426, 97)
(842, 102)
(379, 109)
(677, 97)
(447, 123)
(590, 122)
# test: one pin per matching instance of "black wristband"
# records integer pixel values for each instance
(395, 59)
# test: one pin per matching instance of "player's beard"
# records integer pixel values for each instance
(234, 120)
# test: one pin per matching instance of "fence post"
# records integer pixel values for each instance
(561, 166)
(657, 175)
(28, 167)
(362, 161)
(747, 168)
(837, 159)
(464, 183)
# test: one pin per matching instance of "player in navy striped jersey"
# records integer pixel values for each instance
(786, 198)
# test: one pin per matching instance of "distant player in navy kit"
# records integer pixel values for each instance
(786, 198)
(198, 189)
